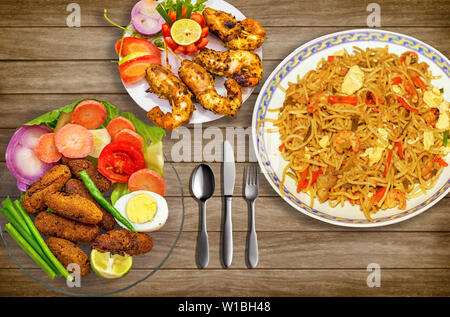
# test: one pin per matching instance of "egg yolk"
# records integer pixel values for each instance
(141, 208)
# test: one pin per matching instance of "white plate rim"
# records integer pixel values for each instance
(404, 215)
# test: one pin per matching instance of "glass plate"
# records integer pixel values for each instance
(144, 265)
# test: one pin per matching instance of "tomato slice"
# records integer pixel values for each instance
(136, 44)
(171, 43)
(191, 49)
(198, 17)
(134, 69)
(165, 30)
(118, 160)
(205, 31)
(201, 44)
(146, 179)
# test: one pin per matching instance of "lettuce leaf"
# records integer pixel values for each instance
(152, 133)
(51, 118)
(120, 190)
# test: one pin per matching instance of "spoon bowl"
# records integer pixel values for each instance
(202, 187)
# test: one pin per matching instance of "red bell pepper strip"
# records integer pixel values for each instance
(397, 80)
(303, 182)
(281, 148)
(405, 104)
(440, 161)
(419, 83)
(388, 163)
(351, 100)
(399, 146)
(315, 175)
(378, 195)
(330, 58)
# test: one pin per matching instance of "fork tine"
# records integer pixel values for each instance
(253, 175)
(246, 175)
(256, 175)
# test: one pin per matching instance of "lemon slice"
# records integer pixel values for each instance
(110, 266)
(185, 32)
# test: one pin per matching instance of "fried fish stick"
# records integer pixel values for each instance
(67, 252)
(78, 165)
(123, 242)
(75, 186)
(75, 207)
(33, 200)
(53, 225)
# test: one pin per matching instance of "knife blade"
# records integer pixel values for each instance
(229, 173)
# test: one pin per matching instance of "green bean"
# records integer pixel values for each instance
(98, 196)
(35, 233)
(29, 250)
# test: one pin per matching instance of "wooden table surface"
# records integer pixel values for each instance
(45, 64)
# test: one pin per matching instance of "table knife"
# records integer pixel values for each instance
(229, 173)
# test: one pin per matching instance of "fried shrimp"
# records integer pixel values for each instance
(247, 34)
(345, 140)
(75, 207)
(166, 85)
(243, 66)
(67, 252)
(52, 181)
(53, 225)
(123, 242)
(394, 197)
(201, 83)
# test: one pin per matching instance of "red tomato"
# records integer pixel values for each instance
(171, 43)
(133, 70)
(205, 31)
(181, 50)
(198, 17)
(201, 44)
(118, 124)
(191, 49)
(136, 44)
(165, 30)
(130, 136)
(146, 179)
(118, 160)
(90, 114)
(173, 16)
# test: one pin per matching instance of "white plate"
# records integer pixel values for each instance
(300, 61)
(148, 100)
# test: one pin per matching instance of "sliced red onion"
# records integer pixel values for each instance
(145, 19)
(20, 158)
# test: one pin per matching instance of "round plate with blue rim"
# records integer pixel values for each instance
(298, 63)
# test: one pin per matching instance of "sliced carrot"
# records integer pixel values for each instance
(46, 150)
(130, 136)
(146, 179)
(419, 83)
(90, 114)
(117, 124)
(440, 161)
(74, 141)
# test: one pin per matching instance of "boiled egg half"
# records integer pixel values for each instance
(145, 210)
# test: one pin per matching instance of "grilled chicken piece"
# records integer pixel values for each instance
(166, 85)
(243, 66)
(201, 83)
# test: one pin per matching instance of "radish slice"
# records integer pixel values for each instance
(21, 159)
(145, 19)
(74, 141)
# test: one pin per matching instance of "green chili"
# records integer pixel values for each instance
(164, 14)
(189, 11)
(98, 196)
(179, 11)
(29, 250)
(445, 138)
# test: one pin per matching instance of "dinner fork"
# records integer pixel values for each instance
(251, 192)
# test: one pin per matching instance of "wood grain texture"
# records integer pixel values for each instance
(299, 256)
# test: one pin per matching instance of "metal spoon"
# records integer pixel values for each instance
(202, 186)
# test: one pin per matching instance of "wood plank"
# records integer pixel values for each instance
(256, 283)
(18, 109)
(296, 250)
(42, 43)
(304, 13)
(81, 77)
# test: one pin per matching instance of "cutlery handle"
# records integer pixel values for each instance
(227, 239)
(203, 244)
(252, 247)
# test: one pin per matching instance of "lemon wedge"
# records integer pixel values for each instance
(110, 266)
